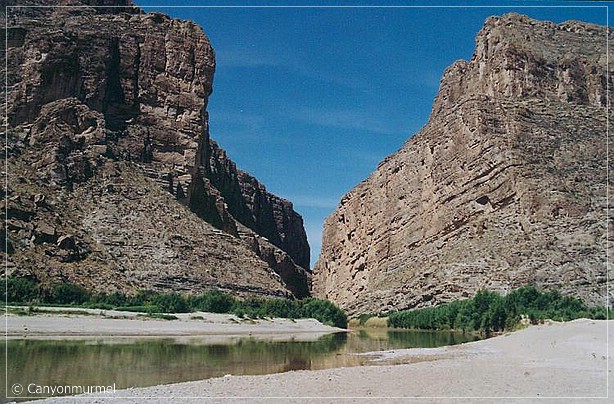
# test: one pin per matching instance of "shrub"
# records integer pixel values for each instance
(171, 303)
(23, 290)
(213, 302)
(142, 297)
(112, 299)
(19, 290)
(67, 293)
(376, 322)
(251, 308)
(324, 311)
(363, 317)
(282, 308)
(487, 311)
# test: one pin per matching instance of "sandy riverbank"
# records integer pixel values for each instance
(55, 322)
(563, 360)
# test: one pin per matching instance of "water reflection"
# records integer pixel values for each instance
(145, 362)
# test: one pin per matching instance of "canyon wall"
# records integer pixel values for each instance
(114, 182)
(504, 186)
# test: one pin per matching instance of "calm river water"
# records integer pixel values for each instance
(133, 362)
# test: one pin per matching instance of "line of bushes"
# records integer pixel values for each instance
(26, 291)
(490, 312)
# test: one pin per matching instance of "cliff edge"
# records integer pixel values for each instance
(505, 185)
(114, 182)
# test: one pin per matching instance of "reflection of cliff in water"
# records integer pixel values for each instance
(133, 363)
(144, 362)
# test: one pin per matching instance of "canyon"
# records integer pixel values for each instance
(114, 182)
(506, 185)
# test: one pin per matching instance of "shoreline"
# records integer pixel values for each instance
(557, 360)
(80, 323)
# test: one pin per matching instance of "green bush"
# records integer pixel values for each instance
(67, 293)
(171, 303)
(142, 297)
(213, 302)
(112, 299)
(19, 290)
(283, 308)
(363, 317)
(22, 290)
(489, 312)
(251, 308)
(324, 311)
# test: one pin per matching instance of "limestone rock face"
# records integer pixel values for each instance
(108, 131)
(149, 75)
(505, 186)
(250, 203)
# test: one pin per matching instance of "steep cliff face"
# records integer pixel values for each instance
(266, 222)
(108, 131)
(150, 77)
(250, 203)
(505, 185)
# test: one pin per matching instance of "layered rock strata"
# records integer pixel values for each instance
(505, 186)
(108, 131)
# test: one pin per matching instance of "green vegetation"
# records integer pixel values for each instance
(490, 312)
(212, 302)
(171, 303)
(66, 293)
(22, 291)
(363, 318)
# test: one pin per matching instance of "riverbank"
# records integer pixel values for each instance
(58, 322)
(562, 360)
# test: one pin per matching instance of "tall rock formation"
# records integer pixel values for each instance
(505, 185)
(114, 182)
(250, 203)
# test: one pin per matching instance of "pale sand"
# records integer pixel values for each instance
(109, 323)
(562, 360)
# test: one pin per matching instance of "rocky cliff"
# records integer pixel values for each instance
(113, 177)
(250, 203)
(505, 185)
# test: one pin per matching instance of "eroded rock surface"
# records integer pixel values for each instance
(113, 177)
(505, 186)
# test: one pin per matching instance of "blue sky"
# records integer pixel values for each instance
(310, 100)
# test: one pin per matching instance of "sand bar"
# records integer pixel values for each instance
(110, 323)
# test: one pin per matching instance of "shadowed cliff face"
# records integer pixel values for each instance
(108, 131)
(505, 185)
(250, 203)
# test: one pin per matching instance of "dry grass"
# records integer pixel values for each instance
(372, 322)
(377, 322)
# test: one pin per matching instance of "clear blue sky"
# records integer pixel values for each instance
(310, 100)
